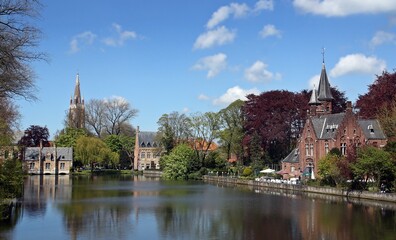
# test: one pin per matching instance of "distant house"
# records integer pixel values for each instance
(48, 160)
(324, 130)
(147, 151)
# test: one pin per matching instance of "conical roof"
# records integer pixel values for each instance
(324, 92)
(77, 93)
(314, 98)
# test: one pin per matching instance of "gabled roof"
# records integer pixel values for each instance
(371, 129)
(62, 153)
(326, 126)
(293, 157)
(148, 139)
(324, 93)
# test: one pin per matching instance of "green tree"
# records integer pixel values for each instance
(122, 145)
(176, 164)
(328, 169)
(92, 150)
(68, 137)
(231, 134)
(11, 179)
(174, 128)
(8, 121)
(374, 163)
(256, 153)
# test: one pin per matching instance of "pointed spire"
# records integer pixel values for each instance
(77, 93)
(314, 97)
(324, 92)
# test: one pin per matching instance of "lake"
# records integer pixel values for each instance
(128, 207)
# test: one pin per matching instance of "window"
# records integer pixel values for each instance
(326, 147)
(143, 155)
(147, 165)
(148, 155)
(47, 166)
(343, 148)
(307, 149)
(311, 149)
(309, 133)
(292, 169)
(62, 166)
(31, 165)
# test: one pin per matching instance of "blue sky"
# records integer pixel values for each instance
(199, 56)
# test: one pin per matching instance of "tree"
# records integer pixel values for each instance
(278, 117)
(374, 163)
(109, 116)
(18, 39)
(174, 128)
(94, 116)
(328, 169)
(387, 117)
(68, 137)
(123, 146)
(8, 121)
(231, 134)
(204, 130)
(381, 94)
(256, 153)
(176, 164)
(11, 179)
(92, 150)
(34, 135)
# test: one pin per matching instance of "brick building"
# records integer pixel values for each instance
(324, 130)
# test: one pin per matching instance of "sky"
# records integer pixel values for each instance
(195, 56)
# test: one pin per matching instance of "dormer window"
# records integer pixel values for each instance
(370, 128)
(148, 144)
(143, 144)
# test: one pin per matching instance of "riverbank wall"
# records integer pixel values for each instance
(388, 197)
(152, 173)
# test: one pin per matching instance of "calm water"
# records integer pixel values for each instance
(139, 208)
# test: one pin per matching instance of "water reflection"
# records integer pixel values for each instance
(140, 208)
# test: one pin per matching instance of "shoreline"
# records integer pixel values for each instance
(384, 197)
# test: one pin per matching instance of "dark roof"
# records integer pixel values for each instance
(371, 129)
(314, 98)
(324, 93)
(62, 153)
(293, 157)
(148, 138)
(326, 126)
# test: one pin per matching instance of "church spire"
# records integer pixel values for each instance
(314, 97)
(77, 93)
(324, 92)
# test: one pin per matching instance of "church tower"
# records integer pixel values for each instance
(77, 108)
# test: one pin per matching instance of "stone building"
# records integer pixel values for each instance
(76, 118)
(147, 151)
(48, 160)
(324, 130)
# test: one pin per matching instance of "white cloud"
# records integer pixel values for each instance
(337, 8)
(224, 12)
(233, 94)
(117, 100)
(85, 38)
(218, 36)
(358, 64)
(270, 30)
(258, 73)
(264, 5)
(314, 82)
(122, 36)
(382, 37)
(186, 109)
(213, 64)
(203, 97)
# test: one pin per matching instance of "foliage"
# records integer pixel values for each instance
(34, 135)
(174, 128)
(374, 163)
(91, 150)
(18, 38)
(204, 130)
(122, 145)
(215, 160)
(381, 95)
(387, 117)
(256, 153)
(11, 179)
(247, 172)
(329, 171)
(231, 134)
(8, 121)
(109, 116)
(278, 117)
(176, 164)
(68, 137)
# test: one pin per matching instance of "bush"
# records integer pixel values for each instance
(247, 172)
